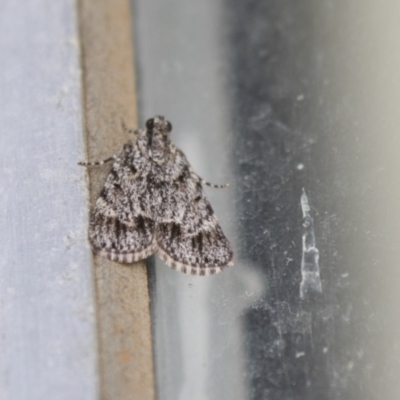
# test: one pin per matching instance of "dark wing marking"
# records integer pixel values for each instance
(188, 235)
(121, 227)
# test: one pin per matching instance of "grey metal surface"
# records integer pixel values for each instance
(47, 328)
(294, 103)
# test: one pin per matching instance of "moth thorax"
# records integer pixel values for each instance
(159, 147)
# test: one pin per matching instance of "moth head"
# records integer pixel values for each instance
(158, 125)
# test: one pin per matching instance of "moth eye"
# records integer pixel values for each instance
(150, 124)
(169, 126)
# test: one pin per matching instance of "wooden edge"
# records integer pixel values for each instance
(126, 363)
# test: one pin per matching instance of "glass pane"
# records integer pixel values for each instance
(295, 104)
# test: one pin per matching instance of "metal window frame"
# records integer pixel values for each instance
(72, 326)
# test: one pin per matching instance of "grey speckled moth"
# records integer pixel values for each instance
(153, 202)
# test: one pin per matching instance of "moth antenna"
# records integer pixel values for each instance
(126, 129)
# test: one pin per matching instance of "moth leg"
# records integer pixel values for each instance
(224, 185)
(127, 130)
(96, 163)
(197, 177)
(179, 154)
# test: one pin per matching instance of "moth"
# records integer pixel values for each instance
(153, 202)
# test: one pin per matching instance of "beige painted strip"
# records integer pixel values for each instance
(126, 369)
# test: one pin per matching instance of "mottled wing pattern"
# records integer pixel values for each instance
(121, 227)
(188, 235)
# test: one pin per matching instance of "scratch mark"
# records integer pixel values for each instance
(311, 280)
